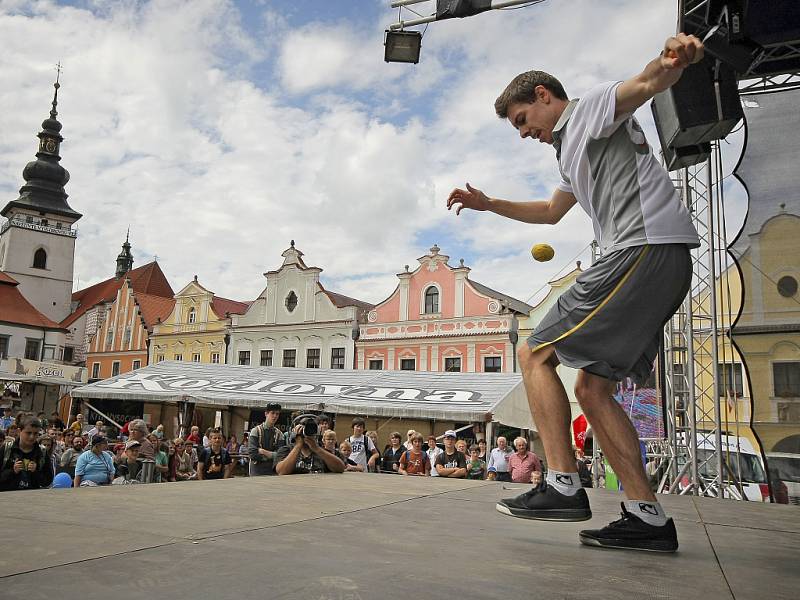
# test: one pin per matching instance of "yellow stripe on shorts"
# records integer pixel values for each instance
(599, 306)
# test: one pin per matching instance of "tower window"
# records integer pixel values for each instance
(40, 259)
(192, 315)
(431, 301)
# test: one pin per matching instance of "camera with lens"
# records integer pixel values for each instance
(310, 427)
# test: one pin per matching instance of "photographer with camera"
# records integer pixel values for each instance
(304, 454)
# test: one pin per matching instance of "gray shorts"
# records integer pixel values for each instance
(610, 322)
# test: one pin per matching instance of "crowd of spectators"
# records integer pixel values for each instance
(39, 452)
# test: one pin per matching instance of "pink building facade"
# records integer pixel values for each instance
(438, 319)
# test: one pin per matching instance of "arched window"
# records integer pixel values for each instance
(192, 315)
(431, 300)
(40, 259)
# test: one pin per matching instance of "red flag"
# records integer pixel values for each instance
(579, 426)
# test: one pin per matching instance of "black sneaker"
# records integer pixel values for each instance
(631, 533)
(545, 503)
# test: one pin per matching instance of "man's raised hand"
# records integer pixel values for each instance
(470, 198)
(681, 51)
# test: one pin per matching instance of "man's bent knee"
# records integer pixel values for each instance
(590, 388)
(528, 359)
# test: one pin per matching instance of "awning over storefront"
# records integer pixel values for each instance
(408, 394)
(22, 370)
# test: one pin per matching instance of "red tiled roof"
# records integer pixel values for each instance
(148, 279)
(154, 308)
(4, 278)
(340, 300)
(14, 308)
(222, 305)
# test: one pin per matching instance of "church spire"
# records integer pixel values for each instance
(125, 258)
(44, 177)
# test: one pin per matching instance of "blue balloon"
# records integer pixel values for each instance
(62, 480)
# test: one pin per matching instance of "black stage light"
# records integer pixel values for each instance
(402, 46)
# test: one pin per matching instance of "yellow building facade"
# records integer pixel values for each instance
(197, 328)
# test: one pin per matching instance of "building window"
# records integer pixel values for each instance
(244, 357)
(787, 286)
(69, 352)
(786, 378)
(109, 337)
(266, 358)
(408, 364)
(159, 358)
(4, 342)
(452, 365)
(192, 316)
(337, 358)
(29, 219)
(431, 300)
(115, 368)
(196, 357)
(289, 358)
(126, 339)
(291, 301)
(137, 364)
(40, 259)
(178, 357)
(49, 353)
(95, 370)
(729, 380)
(376, 365)
(312, 358)
(215, 358)
(32, 349)
(492, 364)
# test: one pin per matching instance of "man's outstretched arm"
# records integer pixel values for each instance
(660, 73)
(539, 211)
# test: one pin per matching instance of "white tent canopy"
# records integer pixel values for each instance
(406, 394)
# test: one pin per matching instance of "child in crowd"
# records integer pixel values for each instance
(346, 449)
(415, 461)
(476, 468)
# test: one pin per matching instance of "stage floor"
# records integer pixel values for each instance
(360, 536)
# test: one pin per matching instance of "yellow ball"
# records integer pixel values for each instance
(542, 252)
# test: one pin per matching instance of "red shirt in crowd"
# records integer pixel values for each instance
(522, 467)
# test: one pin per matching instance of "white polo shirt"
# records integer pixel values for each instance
(610, 168)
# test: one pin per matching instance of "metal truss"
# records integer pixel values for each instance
(692, 340)
(700, 329)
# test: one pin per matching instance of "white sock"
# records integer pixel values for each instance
(564, 483)
(649, 512)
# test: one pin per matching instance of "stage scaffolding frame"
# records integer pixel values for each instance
(702, 325)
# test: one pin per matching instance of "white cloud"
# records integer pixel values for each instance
(218, 146)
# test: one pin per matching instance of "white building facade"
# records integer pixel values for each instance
(296, 322)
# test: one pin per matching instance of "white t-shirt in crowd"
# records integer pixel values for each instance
(359, 456)
(432, 454)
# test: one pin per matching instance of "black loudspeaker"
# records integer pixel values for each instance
(678, 158)
(697, 109)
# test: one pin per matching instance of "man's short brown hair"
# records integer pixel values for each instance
(522, 89)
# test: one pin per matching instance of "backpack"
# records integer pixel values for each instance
(425, 458)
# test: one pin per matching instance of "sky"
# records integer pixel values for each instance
(218, 131)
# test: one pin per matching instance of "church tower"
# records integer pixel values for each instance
(125, 258)
(37, 241)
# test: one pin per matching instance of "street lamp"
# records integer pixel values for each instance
(402, 46)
